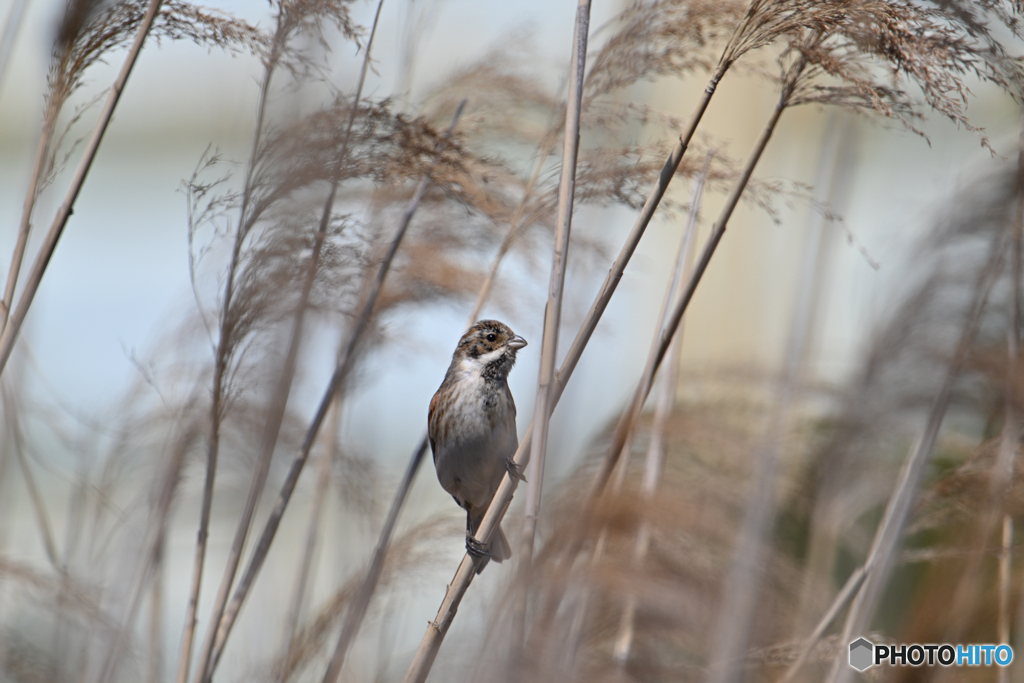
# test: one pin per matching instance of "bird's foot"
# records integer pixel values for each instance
(513, 469)
(480, 553)
(475, 548)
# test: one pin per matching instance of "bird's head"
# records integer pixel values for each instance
(491, 346)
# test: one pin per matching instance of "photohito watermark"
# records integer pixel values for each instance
(864, 654)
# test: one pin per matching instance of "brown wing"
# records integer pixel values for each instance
(430, 422)
(511, 401)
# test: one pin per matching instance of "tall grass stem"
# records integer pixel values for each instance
(275, 414)
(220, 371)
(666, 400)
(552, 313)
(35, 277)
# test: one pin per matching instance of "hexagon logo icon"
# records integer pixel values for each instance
(862, 653)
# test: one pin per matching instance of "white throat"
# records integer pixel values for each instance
(471, 365)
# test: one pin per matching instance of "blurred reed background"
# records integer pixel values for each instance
(211, 391)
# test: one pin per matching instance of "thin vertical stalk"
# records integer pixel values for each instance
(362, 322)
(656, 448)
(438, 628)
(279, 400)
(361, 602)
(25, 226)
(220, 371)
(268, 441)
(889, 533)
(838, 140)
(11, 26)
(683, 264)
(1003, 617)
(156, 614)
(13, 326)
(1010, 445)
(553, 311)
(75, 519)
(32, 193)
(735, 619)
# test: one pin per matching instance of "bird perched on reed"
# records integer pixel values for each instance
(472, 428)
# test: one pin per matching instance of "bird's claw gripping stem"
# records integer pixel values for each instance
(480, 553)
(513, 469)
(476, 548)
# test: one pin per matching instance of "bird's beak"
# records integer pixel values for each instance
(517, 342)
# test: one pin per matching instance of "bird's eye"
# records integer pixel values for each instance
(491, 337)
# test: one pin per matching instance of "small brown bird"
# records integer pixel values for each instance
(472, 427)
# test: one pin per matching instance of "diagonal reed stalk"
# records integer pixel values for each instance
(655, 449)
(268, 441)
(436, 630)
(355, 614)
(361, 602)
(845, 594)
(309, 546)
(889, 534)
(664, 336)
(632, 413)
(25, 226)
(552, 313)
(362, 322)
(13, 325)
(279, 397)
(684, 263)
(53, 107)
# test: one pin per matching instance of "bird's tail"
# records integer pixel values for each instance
(500, 549)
